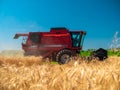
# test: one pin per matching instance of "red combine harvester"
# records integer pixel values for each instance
(59, 43)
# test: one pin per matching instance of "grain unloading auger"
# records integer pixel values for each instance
(59, 43)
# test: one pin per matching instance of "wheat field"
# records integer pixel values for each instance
(30, 73)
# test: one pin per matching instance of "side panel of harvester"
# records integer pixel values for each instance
(54, 41)
(48, 42)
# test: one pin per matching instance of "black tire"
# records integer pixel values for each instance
(63, 56)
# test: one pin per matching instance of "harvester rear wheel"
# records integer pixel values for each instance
(63, 56)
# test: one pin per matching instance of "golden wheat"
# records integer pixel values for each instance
(29, 73)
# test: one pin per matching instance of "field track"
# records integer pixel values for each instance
(30, 73)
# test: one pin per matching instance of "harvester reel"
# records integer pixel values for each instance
(63, 56)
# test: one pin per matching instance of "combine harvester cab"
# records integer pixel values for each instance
(59, 43)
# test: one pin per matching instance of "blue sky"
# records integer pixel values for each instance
(99, 18)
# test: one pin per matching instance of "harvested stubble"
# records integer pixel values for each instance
(78, 75)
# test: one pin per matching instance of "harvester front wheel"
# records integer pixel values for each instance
(63, 56)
